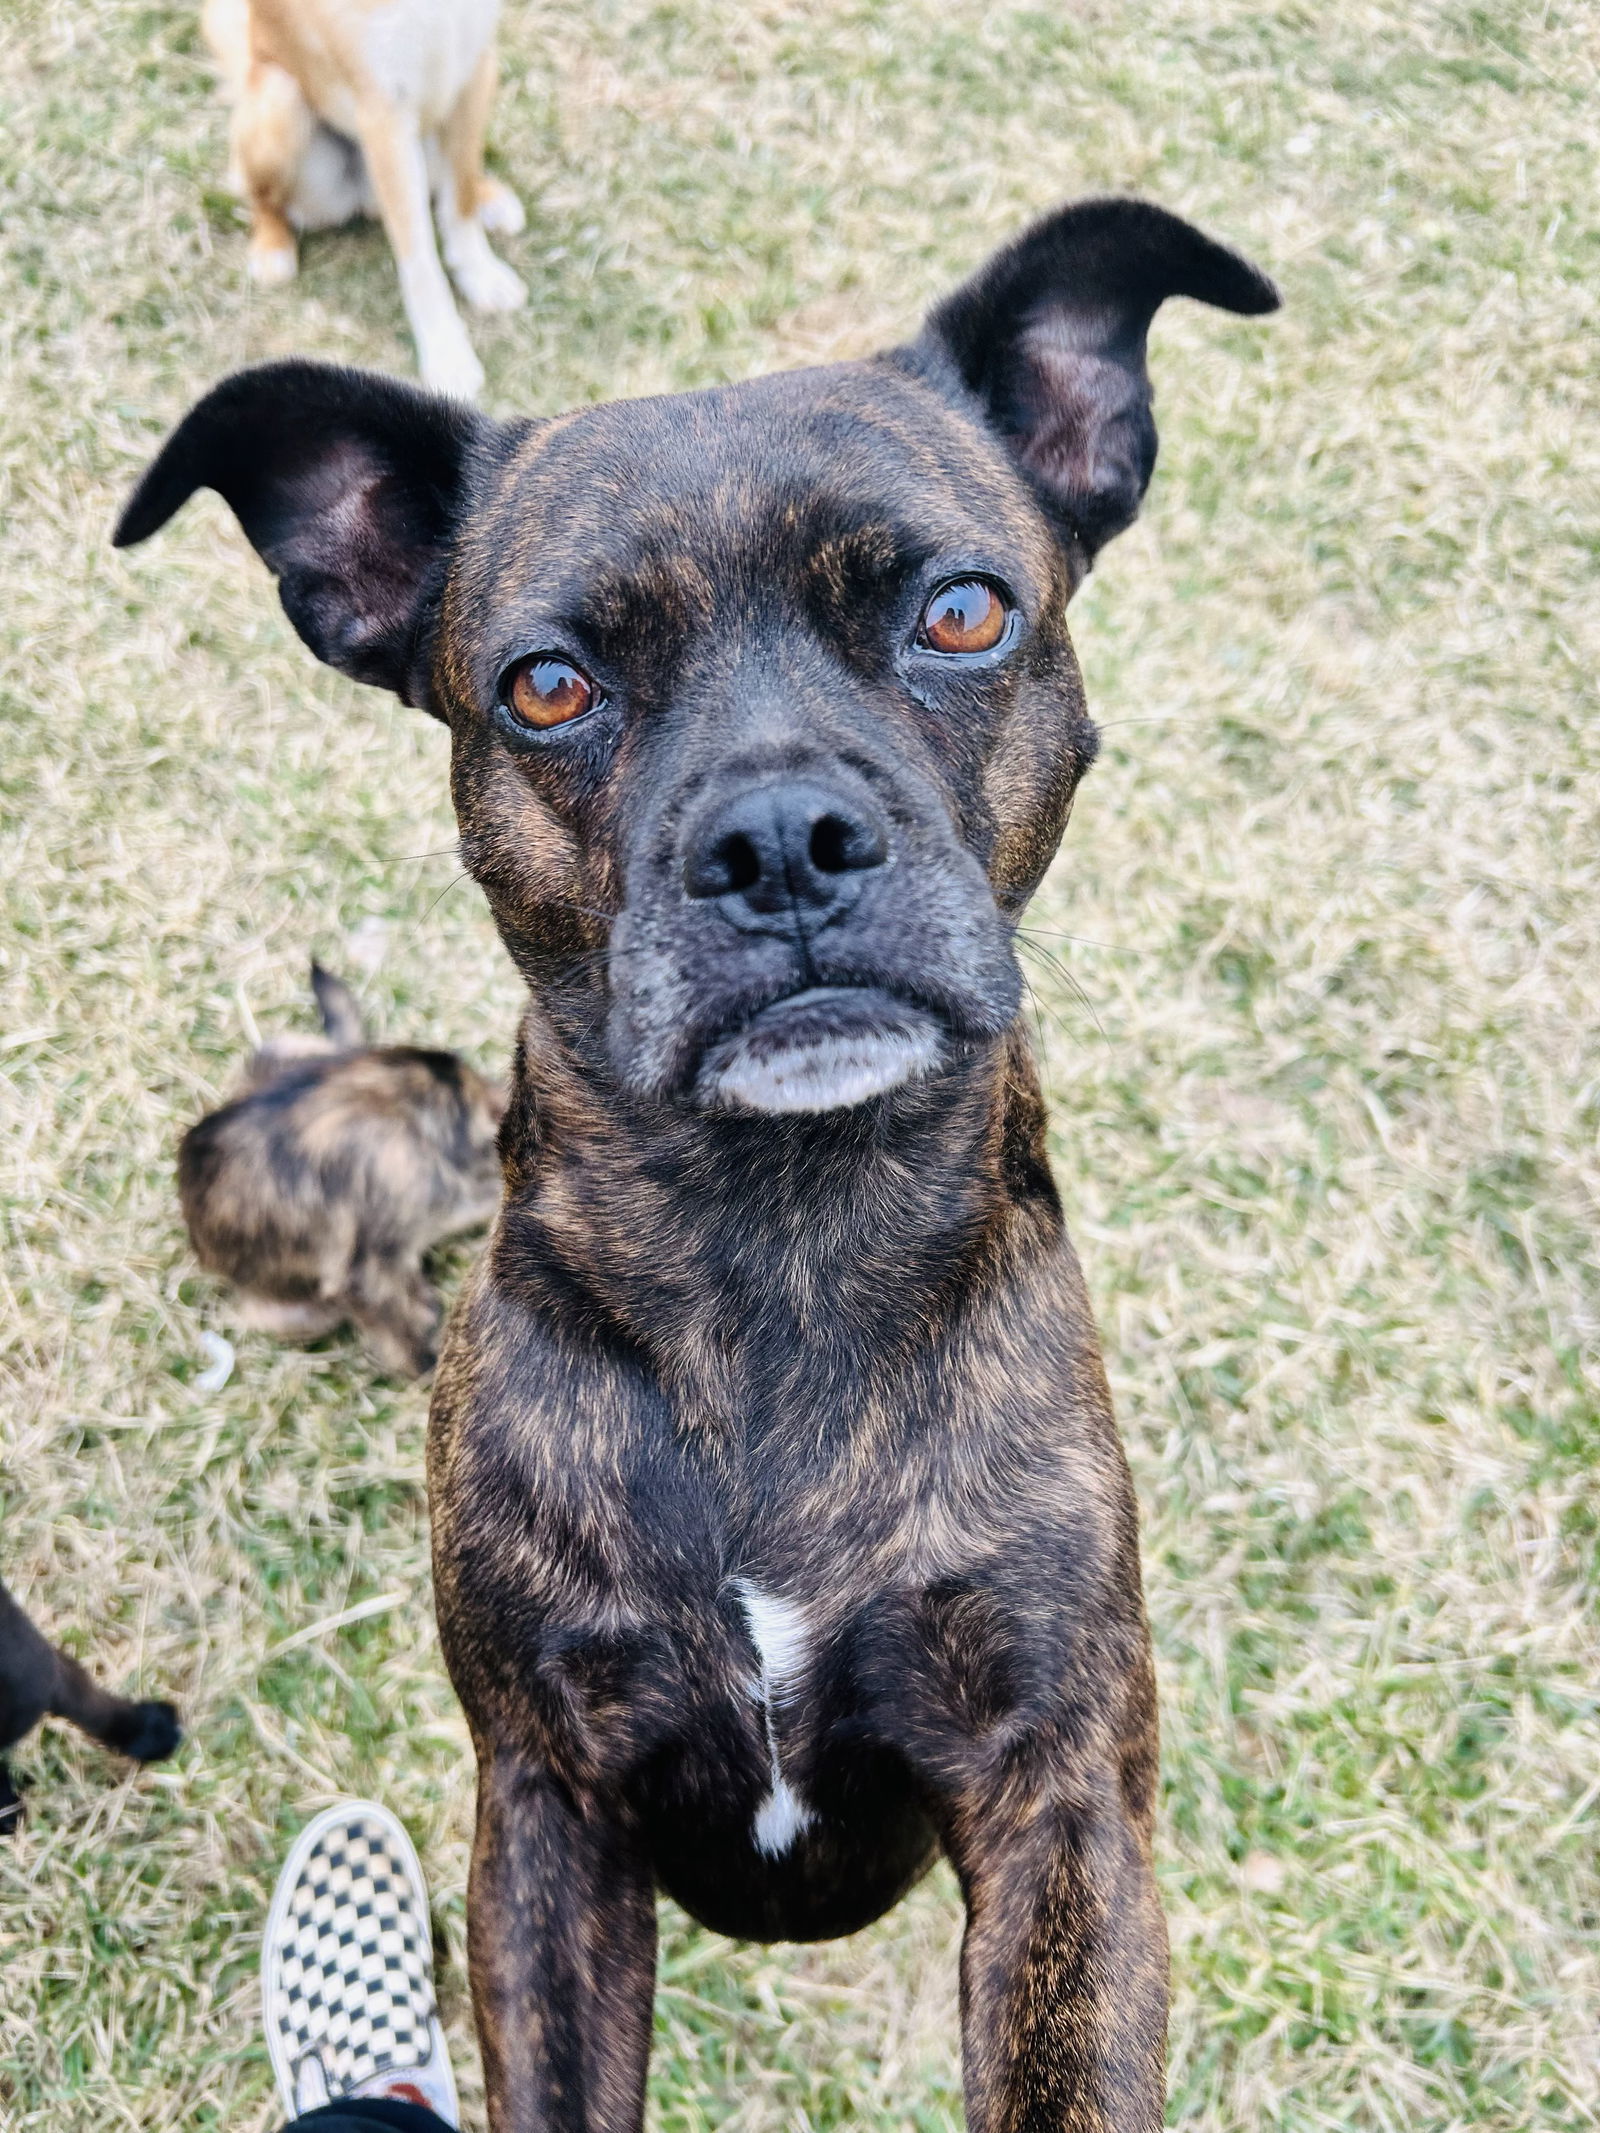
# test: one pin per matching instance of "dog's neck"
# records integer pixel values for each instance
(716, 1242)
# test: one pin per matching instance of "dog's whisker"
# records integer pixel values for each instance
(1068, 977)
(454, 882)
(1031, 931)
(1036, 1011)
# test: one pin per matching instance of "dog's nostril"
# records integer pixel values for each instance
(731, 866)
(839, 846)
(828, 839)
(777, 847)
(741, 862)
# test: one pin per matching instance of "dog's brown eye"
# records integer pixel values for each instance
(549, 692)
(965, 616)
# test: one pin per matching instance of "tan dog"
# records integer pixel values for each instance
(351, 107)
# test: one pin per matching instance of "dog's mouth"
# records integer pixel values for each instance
(819, 1050)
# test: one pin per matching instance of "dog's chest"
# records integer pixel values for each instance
(422, 54)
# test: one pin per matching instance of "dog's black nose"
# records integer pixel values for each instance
(796, 849)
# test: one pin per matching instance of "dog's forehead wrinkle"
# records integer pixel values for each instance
(819, 456)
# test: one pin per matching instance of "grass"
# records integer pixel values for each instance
(1316, 979)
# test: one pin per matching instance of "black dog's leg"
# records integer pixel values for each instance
(27, 1672)
(561, 1936)
(1064, 1965)
(10, 1804)
(35, 1679)
(146, 1731)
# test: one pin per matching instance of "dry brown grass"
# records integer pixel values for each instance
(1316, 979)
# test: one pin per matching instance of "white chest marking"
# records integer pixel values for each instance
(782, 1638)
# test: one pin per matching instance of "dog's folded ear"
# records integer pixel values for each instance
(349, 487)
(1050, 336)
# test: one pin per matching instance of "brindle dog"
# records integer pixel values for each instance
(319, 1188)
(782, 1534)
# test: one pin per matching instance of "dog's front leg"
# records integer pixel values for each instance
(468, 205)
(1064, 1965)
(398, 166)
(562, 1943)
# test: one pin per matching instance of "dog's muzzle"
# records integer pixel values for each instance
(789, 858)
(820, 1050)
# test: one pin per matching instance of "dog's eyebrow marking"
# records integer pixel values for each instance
(868, 555)
(782, 1638)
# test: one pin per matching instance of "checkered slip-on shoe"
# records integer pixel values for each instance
(347, 1968)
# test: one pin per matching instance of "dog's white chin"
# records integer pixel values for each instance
(826, 1074)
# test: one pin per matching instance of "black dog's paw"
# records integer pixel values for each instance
(149, 1733)
(10, 1805)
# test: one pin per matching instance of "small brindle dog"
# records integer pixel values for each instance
(782, 1534)
(321, 1187)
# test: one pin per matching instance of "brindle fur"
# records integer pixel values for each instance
(843, 1359)
(318, 1189)
(37, 1681)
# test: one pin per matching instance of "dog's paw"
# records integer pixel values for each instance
(451, 368)
(149, 1733)
(271, 265)
(499, 209)
(488, 284)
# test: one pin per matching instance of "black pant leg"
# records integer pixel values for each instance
(377, 2114)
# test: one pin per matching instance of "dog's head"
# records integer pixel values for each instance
(766, 720)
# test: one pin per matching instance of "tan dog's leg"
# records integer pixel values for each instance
(225, 25)
(486, 282)
(398, 167)
(272, 129)
(499, 209)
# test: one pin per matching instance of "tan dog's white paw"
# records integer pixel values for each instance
(499, 209)
(271, 265)
(488, 284)
(451, 368)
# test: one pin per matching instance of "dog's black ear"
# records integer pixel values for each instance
(1050, 335)
(349, 486)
